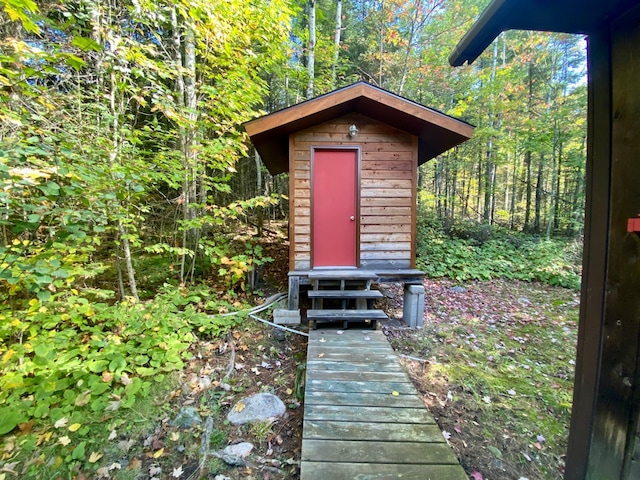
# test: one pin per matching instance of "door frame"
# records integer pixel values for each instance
(358, 151)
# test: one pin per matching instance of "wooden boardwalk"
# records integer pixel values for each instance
(363, 418)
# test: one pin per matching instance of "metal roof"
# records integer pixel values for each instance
(436, 131)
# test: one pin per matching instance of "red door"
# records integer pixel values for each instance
(334, 208)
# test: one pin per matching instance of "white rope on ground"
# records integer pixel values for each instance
(282, 327)
(259, 308)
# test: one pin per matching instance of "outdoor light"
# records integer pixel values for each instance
(353, 131)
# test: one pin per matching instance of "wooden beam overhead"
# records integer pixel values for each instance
(567, 16)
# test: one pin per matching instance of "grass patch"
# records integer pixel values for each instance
(499, 376)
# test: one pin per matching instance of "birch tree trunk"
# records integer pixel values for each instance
(336, 43)
(311, 48)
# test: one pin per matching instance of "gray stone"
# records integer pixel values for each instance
(262, 406)
(187, 417)
(278, 334)
(221, 477)
(240, 450)
(457, 289)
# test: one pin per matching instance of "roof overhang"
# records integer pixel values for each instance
(436, 131)
(567, 16)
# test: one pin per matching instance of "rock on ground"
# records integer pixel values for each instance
(262, 406)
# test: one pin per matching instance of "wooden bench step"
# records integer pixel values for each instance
(345, 316)
(342, 275)
(347, 294)
(331, 315)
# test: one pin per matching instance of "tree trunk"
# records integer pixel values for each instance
(260, 221)
(336, 43)
(539, 196)
(311, 48)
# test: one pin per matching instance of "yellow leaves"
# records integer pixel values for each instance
(44, 438)
(174, 436)
(158, 453)
(74, 427)
(395, 394)
(289, 391)
(94, 457)
(7, 356)
(64, 441)
(239, 407)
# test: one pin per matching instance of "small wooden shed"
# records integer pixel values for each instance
(352, 157)
(604, 439)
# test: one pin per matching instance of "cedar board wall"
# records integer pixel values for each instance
(387, 190)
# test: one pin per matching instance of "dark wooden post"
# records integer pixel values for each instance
(604, 427)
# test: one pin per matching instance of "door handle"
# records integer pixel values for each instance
(352, 218)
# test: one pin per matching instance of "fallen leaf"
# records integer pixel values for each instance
(395, 394)
(239, 407)
(289, 391)
(64, 441)
(26, 427)
(74, 427)
(61, 422)
(158, 454)
(135, 464)
(340, 332)
(82, 399)
(457, 429)
(94, 457)
(320, 355)
(476, 475)
(107, 376)
(174, 436)
(322, 340)
(112, 435)
(177, 472)
(155, 470)
(44, 438)
(446, 435)
(125, 380)
(537, 445)
(486, 400)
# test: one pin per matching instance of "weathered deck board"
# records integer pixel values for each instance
(363, 418)
(377, 471)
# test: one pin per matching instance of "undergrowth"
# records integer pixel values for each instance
(69, 363)
(466, 251)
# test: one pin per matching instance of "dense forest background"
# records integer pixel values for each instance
(122, 125)
(126, 175)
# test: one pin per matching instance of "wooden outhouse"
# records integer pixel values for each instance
(604, 439)
(352, 156)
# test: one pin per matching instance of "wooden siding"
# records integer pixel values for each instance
(387, 190)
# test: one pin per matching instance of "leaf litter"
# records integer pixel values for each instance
(495, 364)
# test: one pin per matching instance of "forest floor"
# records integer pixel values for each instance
(493, 362)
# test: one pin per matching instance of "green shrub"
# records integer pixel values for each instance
(70, 358)
(483, 253)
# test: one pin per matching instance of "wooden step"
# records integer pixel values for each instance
(343, 314)
(346, 294)
(330, 274)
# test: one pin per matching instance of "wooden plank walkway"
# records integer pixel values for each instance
(363, 418)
